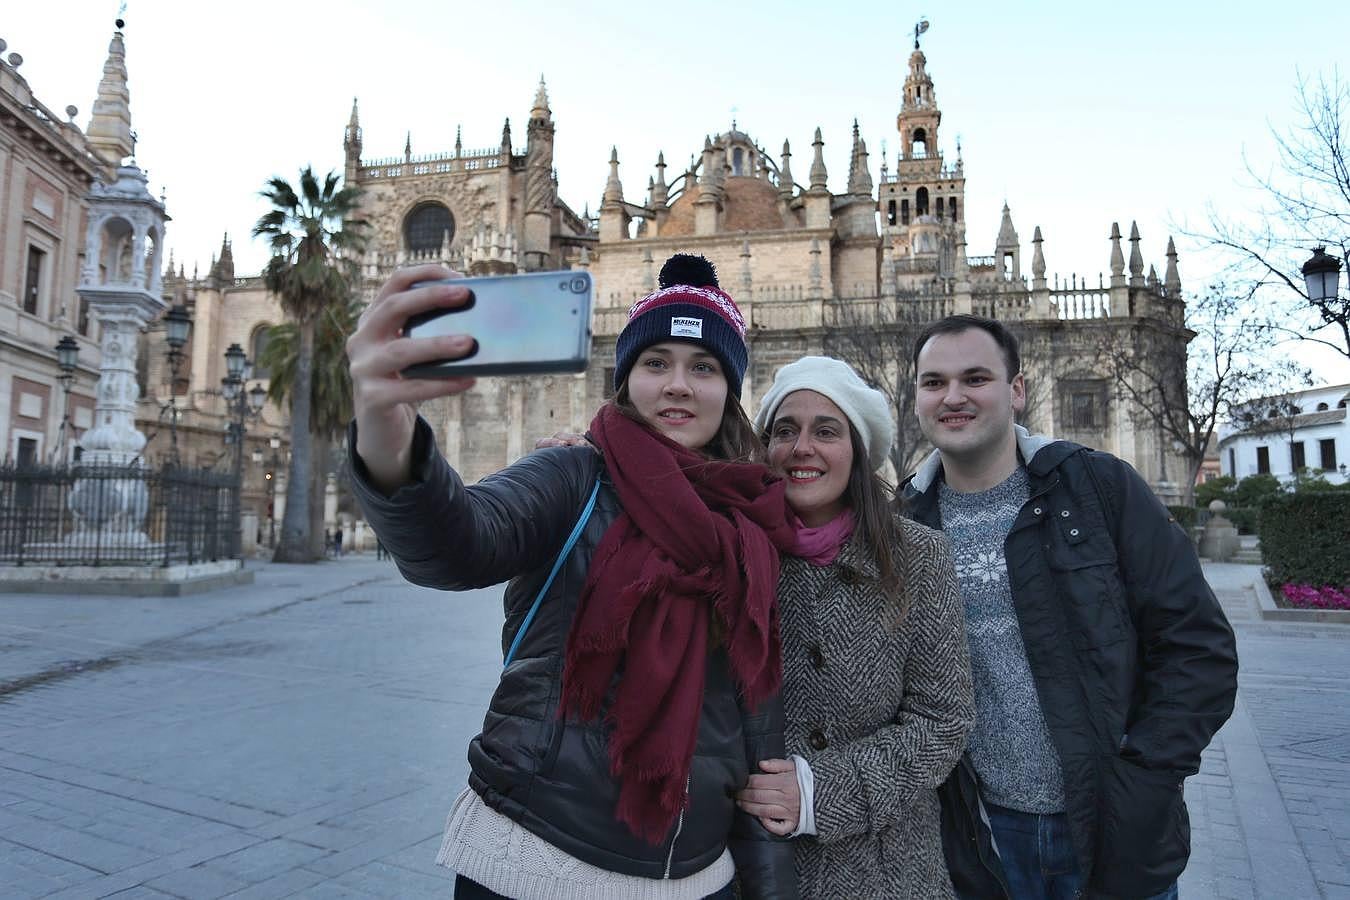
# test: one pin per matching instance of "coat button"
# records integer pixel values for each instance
(817, 739)
(817, 659)
(1064, 513)
(1037, 510)
(1073, 532)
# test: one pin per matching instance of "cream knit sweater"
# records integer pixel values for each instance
(484, 845)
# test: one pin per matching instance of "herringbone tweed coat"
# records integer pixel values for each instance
(881, 714)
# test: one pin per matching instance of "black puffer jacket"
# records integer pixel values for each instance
(550, 775)
(1134, 662)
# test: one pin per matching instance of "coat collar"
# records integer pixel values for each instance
(1040, 454)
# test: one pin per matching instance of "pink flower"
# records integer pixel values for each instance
(1309, 597)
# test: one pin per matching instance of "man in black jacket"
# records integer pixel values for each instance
(1103, 663)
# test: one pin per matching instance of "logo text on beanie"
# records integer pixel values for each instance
(684, 326)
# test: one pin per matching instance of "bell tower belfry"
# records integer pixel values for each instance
(923, 204)
(919, 116)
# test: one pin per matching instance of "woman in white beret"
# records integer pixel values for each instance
(876, 678)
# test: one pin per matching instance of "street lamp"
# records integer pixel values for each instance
(177, 327)
(241, 405)
(67, 353)
(1322, 274)
(274, 464)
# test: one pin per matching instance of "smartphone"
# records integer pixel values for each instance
(534, 323)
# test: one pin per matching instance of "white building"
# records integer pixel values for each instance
(1304, 430)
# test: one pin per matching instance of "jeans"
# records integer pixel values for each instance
(466, 889)
(1038, 856)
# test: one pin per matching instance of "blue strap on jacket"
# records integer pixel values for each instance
(562, 555)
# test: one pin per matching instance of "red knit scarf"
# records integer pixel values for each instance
(696, 538)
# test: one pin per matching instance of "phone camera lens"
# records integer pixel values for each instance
(578, 285)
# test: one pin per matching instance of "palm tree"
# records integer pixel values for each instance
(330, 391)
(314, 243)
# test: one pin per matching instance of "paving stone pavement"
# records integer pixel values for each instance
(305, 735)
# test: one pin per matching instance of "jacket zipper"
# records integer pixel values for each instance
(679, 826)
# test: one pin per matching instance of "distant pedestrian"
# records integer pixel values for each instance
(337, 542)
(380, 552)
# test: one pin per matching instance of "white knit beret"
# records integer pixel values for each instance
(866, 408)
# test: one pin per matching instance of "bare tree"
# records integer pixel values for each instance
(1185, 397)
(1306, 204)
(877, 339)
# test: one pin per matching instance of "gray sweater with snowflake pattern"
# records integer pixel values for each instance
(1010, 745)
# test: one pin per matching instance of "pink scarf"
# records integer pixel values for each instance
(820, 546)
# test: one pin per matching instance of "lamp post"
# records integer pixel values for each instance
(67, 353)
(1322, 275)
(273, 466)
(177, 327)
(241, 405)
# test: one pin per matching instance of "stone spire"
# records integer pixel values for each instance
(351, 139)
(540, 109)
(859, 179)
(1117, 257)
(659, 189)
(1171, 278)
(613, 186)
(459, 143)
(223, 269)
(109, 131)
(506, 138)
(785, 174)
(1136, 258)
(1037, 261)
(818, 174)
(407, 148)
(1007, 235)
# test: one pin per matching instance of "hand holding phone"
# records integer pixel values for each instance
(385, 403)
(534, 323)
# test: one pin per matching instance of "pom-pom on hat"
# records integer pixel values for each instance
(866, 408)
(688, 307)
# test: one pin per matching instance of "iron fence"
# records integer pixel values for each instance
(116, 515)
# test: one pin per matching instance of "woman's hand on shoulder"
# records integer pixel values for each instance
(384, 401)
(563, 439)
(773, 796)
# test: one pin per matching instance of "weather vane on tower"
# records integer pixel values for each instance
(919, 29)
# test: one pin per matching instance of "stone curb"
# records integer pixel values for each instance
(1272, 613)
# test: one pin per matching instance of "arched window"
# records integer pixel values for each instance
(920, 143)
(427, 226)
(939, 209)
(737, 161)
(953, 209)
(921, 202)
(258, 345)
(904, 211)
(890, 212)
(1323, 407)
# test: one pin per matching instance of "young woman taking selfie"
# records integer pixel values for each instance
(642, 679)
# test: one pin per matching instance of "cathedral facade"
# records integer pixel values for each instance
(852, 274)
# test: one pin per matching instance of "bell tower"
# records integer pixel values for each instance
(923, 204)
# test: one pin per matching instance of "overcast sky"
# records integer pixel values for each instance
(1076, 114)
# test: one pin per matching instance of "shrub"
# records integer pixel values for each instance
(1246, 519)
(1305, 539)
(1253, 489)
(1220, 488)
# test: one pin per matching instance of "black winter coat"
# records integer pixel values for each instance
(1134, 662)
(549, 775)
